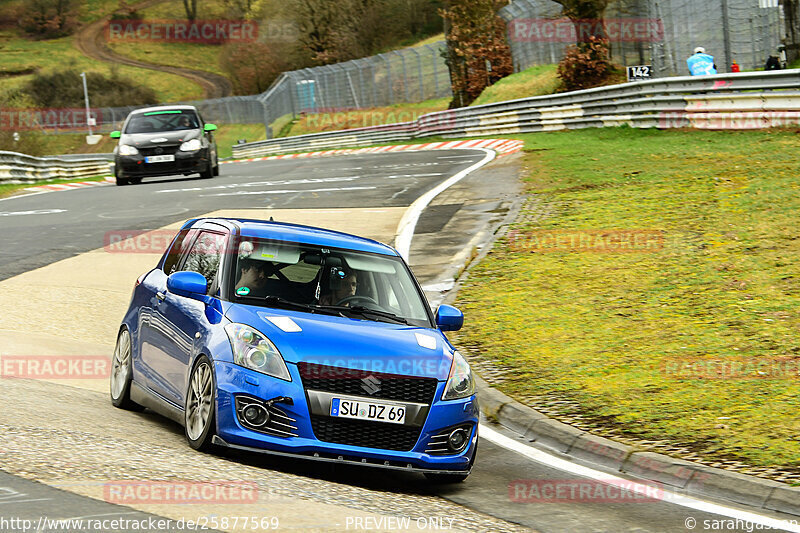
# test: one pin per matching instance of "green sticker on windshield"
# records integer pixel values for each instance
(243, 291)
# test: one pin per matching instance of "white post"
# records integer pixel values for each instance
(86, 98)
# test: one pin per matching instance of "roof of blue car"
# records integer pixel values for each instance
(309, 235)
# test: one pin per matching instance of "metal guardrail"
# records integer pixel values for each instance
(21, 168)
(745, 100)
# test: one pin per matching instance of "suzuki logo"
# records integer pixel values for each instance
(159, 150)
(371, 384)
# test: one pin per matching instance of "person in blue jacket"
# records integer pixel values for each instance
(701, 63)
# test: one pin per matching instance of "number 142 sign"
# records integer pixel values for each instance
(640, 72)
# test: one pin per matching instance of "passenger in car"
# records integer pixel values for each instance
(343, 284)
(185, 123)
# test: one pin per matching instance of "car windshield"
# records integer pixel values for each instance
(156, 121)
(316, 279)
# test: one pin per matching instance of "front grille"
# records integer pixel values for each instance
(367, 384)
(159, 150)
(363, 433)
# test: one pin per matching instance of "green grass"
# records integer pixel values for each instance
(227, 135)
(195, 56)
(360, 118)
(534, 81)
(20, 53)
(7, 189)
(598, 329)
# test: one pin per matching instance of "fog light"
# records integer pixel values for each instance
(255, 415)
(457, 440)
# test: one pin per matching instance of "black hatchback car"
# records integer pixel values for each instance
(163, 141)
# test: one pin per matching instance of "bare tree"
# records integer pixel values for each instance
(191, 9)
(586, 16)
(478, 54)
(791, 13)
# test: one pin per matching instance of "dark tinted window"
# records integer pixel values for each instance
(179, 248)
(162, 121)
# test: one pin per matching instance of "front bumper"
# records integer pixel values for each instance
(134, 166)
(233, 381)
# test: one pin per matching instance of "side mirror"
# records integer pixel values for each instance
(115, 134)
(448, 318)
(189, 284)
(209, 127)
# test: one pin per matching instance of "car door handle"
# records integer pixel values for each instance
(161, 296)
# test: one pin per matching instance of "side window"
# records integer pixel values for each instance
(205, 255)
(179, 247)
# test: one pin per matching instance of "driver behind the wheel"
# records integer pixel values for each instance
(343, 284)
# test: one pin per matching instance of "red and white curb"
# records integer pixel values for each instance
(71, 185)
(501, 146)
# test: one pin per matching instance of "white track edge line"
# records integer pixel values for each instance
(405, 229)
(553, 461)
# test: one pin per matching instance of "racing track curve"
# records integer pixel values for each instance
(90, 42)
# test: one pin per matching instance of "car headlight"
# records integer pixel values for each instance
(460, 383)
(191, 146)
(126, 149)
(252, 349)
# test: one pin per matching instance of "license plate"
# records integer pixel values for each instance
(378, 412)
(159, 158)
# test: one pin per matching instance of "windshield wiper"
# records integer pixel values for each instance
(363, 310)
(277, 301)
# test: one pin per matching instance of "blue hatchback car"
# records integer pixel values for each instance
(292, 340)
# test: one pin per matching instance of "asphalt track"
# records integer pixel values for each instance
(40, 229)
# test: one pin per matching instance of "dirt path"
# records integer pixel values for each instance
(90, 41)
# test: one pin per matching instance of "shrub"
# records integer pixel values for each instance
(586, 65)
(65, 89)
(49, 19)
(252, 67)
(125, 12)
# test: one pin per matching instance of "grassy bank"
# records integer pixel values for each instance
(20, 53)
(638, 342)
(7, 189)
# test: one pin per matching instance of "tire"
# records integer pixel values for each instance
(200, 410)
(215, 171)
(122, 374)
(208, 172)
(118, 177)
(135, 181)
